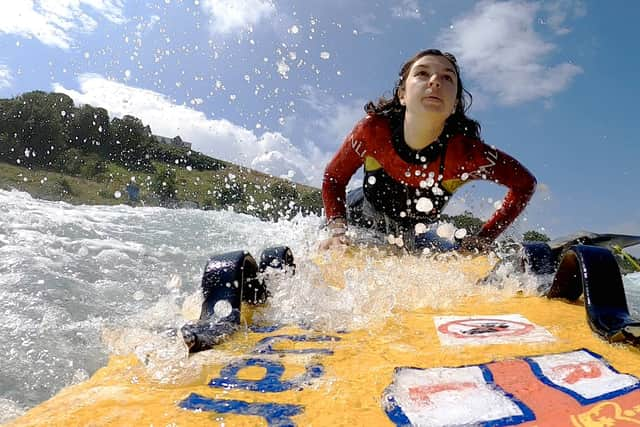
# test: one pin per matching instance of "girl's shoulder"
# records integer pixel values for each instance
(463, 148)
(372, 125)
(375, 120)
(466, 143)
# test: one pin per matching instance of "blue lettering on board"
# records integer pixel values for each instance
(276, 415)
(265, 345)
(272, 380)
(264, 329)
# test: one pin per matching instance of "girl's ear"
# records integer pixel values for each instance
(401, 96)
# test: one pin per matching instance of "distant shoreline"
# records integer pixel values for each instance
(251, 192)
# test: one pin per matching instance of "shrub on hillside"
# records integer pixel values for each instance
(69, 161)
(164, 183)
(92, 166)
(534, 236)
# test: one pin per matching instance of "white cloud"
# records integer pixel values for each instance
(335, 118)
(6, 79)
(499, 48)
(557, 12)
(407, 9)
(543, 192)
(144, 27)
(367, 24)
(277, 164)
(54, 22)
(270, 152)
(341, 122)
(231, 15)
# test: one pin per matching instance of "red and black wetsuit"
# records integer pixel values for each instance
(411, 186)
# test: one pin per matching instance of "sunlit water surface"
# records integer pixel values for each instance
(80, 282)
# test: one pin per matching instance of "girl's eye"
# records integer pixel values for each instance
(448, 77)
(421, 73)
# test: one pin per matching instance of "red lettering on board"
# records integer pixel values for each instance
(421, 393)
(573, 373)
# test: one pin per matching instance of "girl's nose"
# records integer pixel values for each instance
(434, 81)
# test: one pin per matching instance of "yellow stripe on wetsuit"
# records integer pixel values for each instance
(371, 164)
(451, 185)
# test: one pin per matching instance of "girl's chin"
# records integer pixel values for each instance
(432, 111)
(433, 105)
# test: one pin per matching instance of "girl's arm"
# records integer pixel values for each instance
(339, 171)
(497, 166)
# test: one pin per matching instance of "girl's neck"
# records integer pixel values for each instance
(419, 133)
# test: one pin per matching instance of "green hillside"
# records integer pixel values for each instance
(57, 151)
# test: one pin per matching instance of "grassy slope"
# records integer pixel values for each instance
(259, 191)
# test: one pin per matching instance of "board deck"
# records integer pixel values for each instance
(495, 358)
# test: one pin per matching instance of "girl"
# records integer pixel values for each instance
(417, 149)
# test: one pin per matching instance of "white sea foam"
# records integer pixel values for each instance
(9, 410)
(68, 273)
(632, 289)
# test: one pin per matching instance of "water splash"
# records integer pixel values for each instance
(70, 273)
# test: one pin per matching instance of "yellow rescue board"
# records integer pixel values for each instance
(487, 360)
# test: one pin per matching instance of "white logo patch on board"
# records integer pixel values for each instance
(583, 375)
(434, 397)
(481, 330)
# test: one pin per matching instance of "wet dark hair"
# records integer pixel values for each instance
(457, 123)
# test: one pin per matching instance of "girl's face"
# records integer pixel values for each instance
(430, 87)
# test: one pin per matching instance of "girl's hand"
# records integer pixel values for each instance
(337, 228)
(333, 242)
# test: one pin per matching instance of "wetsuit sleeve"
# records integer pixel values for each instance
(339, 171)
(503, 169)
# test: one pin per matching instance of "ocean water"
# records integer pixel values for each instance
(76, 280)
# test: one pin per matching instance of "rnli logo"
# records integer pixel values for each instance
(577, 388)
(484, 170)
(358, 147)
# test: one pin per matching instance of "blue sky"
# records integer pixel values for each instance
(276, 85)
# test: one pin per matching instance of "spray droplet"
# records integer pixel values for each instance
(222, 309)
(460, 233)
(446, 231)
(424, 205)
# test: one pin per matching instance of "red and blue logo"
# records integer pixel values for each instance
(577, 388)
